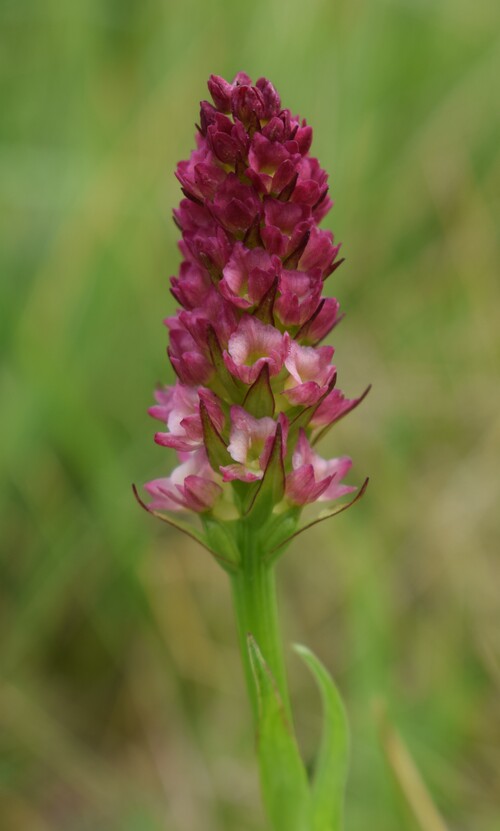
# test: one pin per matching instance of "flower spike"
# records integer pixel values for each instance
(253, 311)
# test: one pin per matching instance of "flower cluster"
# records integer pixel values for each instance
(254, 389)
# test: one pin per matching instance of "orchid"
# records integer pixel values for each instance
(255, 390)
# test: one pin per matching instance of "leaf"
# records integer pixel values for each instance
(355, 403)
(214, 444)
(221, 534)
(304, 416)
(292, 260)
(310, 320)
(189, 531)
(283, 777)
(407, 775)
(259, 400)
(265, 309)
(272, 485)
(274, 552)
(279, 528)
(233, 386)
(330, 771)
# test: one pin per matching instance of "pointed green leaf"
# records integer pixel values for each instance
(330, 772)
(232, 385)
(283, 777)
(221, 536)
(272, 485)
(189, 531)
(279, 529)
(275, 552)
(307, 323)
(322, 433)
(407, 775)
(259, 400)
(304, 416)
(214, 444)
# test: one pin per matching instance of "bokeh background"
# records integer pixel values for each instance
(122, 704)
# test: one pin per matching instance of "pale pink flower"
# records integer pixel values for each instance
(252, 345)
(310, 373)
(190, 487)
(179, 408)
(300, 295)
(251, 441)
(333, 407)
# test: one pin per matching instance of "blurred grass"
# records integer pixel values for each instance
(121, 700)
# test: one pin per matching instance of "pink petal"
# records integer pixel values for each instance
(321, 322)
(320, 250)
(285, 215)
(161, 490)
(246, 432)
(332, 408)
(301, 485)
(240, 472)
(306, 363)
(305, 394)
(175, 442)
(251, 346)
(200, 494)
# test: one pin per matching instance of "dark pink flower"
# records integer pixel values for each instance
(193, 285)
(209, 248)
(271, 99)
(195, 218)
(215, 312)
(221, 91)
(190, 487)
(189, 362)
(247, 104)
(334, 406)
(250, 445)
(320, 252)
(285, 215)
(235, 205)
(300, 296)
(248, 275)
(321, 322)
(310, 373)
(200, 175)
(265, 156)
(228, 141)
(314, 479)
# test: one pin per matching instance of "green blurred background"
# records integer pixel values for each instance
(122, 703)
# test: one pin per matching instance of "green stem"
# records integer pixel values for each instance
(254, 594)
